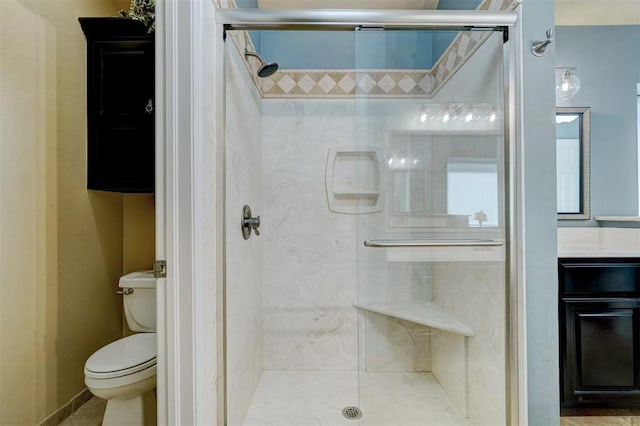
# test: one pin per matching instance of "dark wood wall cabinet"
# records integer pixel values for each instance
(599, 318)
(120, 105)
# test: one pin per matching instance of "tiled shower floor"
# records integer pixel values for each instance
(297, 398)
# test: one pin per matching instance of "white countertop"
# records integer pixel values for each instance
(598, 242)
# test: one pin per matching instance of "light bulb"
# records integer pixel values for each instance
(567, 84)
(422, 114)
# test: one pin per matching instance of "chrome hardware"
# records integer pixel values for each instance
(539, 48)
(160, 269)
(432, 243)
(124, 291)
(248, 223)
(149, 108)
(242, 19)
(369, 28)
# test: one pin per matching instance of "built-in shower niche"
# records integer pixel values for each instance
(353, 179)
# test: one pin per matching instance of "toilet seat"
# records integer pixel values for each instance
(133, 354)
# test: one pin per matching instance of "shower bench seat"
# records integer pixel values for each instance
(426, 313)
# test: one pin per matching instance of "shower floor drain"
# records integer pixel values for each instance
(352, 413)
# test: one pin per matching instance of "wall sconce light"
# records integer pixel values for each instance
(567, 83)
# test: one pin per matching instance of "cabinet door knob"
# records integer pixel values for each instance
(149, 107)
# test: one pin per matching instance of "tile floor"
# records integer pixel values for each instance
(599, 417)
(90, 413)
(600, 421)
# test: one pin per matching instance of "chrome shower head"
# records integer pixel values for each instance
(266, 68)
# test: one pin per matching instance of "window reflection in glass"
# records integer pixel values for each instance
(472, 190)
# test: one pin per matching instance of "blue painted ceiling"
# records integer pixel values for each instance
(355, 50)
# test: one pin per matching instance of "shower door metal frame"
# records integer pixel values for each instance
(508, 23)
(350, 19)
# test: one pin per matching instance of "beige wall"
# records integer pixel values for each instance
(139, 229)
(138, 243)
(61, 246)
(597, 12)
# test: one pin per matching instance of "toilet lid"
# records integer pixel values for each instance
(125, 356)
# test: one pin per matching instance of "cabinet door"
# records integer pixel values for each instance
(124, 78)
(121, 119)
(599, 352)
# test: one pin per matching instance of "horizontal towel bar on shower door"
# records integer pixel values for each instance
(431, 243)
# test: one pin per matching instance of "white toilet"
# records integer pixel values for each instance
(124, 372)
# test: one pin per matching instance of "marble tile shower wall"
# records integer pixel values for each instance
(310, 272)
(391, 344)
(471, 370)
(395, 345)
(244, 258)
(309, 258)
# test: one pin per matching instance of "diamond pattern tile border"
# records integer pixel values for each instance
(346, 83)
(366, 83)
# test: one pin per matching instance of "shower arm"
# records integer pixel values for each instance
(255, 55)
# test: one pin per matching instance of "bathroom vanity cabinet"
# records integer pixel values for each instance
(599, 316)
(120, 105)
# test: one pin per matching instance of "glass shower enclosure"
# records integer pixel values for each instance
(376, 289)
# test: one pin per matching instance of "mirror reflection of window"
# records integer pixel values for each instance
(568, 163)
(472, 190)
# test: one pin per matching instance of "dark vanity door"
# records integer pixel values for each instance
(601, 346)
(599, 332)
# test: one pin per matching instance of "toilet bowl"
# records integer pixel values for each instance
(124, 372)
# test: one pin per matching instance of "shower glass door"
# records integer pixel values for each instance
(375, 291)
(429, 195)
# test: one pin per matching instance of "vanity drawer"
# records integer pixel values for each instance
(594, 277)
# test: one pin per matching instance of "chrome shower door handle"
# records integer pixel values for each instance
(249, 223)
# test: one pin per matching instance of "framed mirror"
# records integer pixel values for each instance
(572, 162)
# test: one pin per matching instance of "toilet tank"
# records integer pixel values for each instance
(139, 300)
